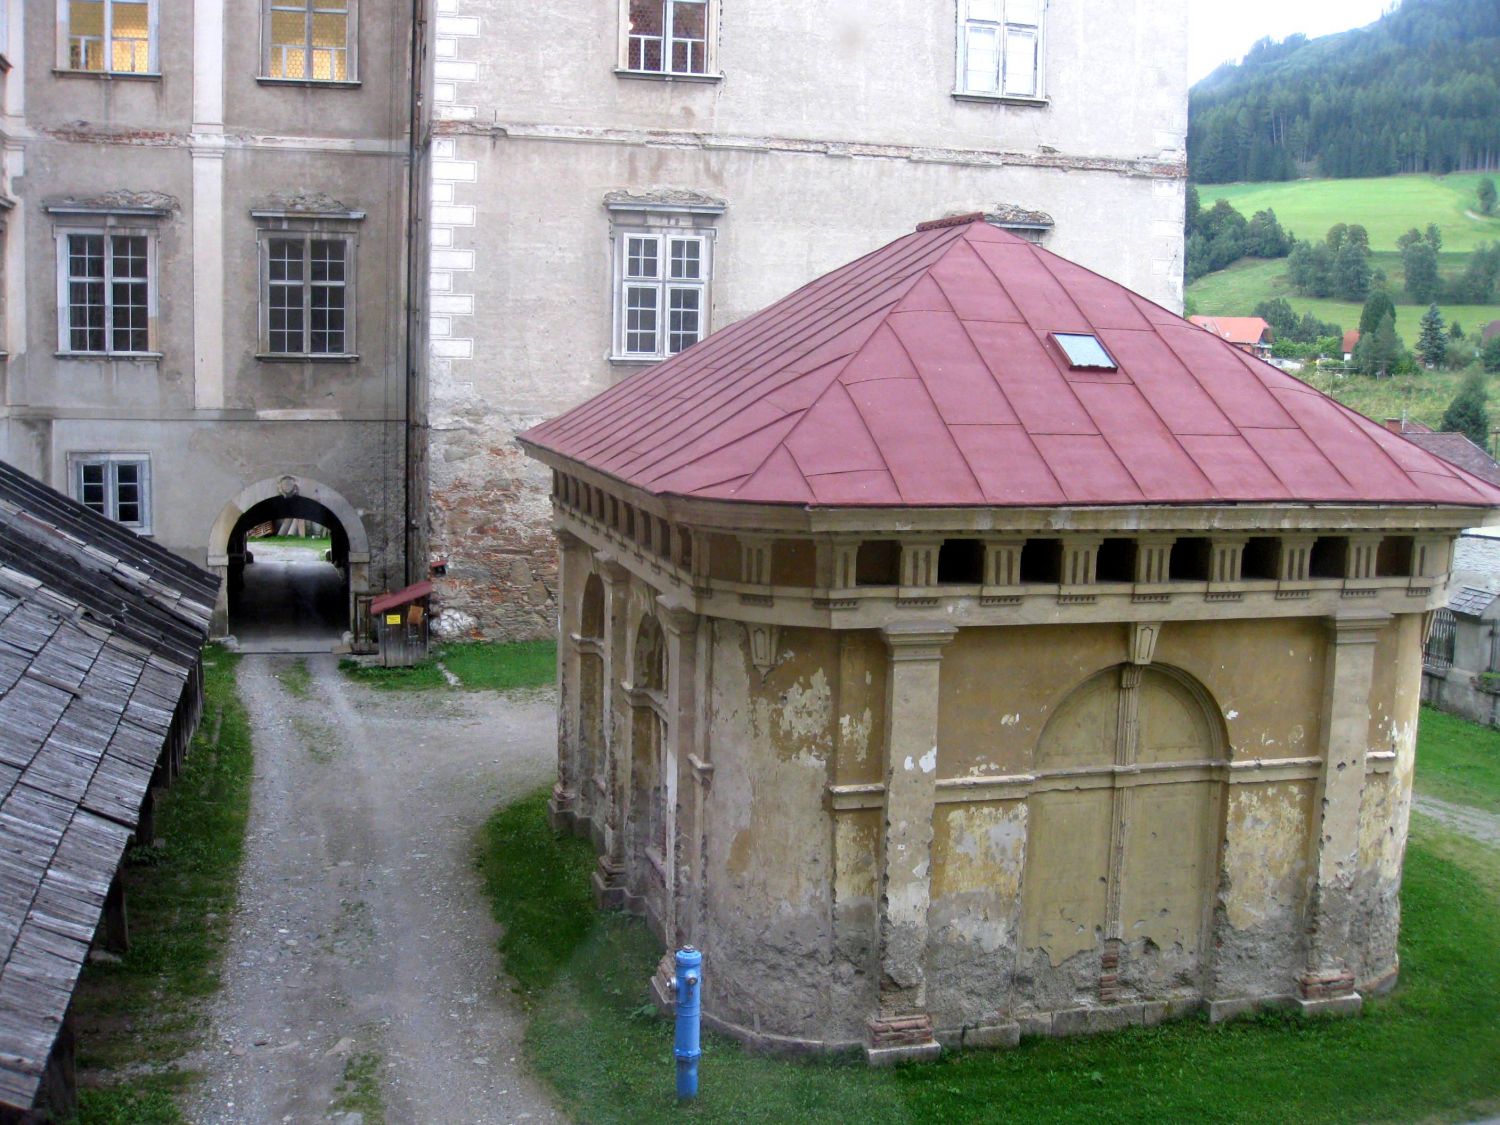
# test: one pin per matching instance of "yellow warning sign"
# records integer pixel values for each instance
(393, 619)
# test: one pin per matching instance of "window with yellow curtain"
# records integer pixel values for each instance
(310, 40)
(113, 36)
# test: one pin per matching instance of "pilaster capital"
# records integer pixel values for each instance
(1359, 628)
(918, 640)
(611, 570)
(676, 619)
(567, 541)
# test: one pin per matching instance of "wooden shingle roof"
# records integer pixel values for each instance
(99, 633)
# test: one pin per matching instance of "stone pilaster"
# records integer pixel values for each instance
(681, 627)
(572, 571)
(1328, 983)
(902, 1027)
(609, 876)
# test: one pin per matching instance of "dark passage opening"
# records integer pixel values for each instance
(288, 577)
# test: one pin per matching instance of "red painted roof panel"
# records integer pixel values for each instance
(922, 375)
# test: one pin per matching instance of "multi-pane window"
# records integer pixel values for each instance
(310, 40)
(663, 293)
(667, 36)
(115, 36)
(106, 293)
(116, 485)
(999, 48)
(307, 300)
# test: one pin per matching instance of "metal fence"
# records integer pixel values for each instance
(1437, 653)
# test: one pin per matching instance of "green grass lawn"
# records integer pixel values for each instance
(306, 543)
(1387, 207)
(1237, 290)
(143, 1012)
(479, 666)
(594, 1037)
(1459, 761)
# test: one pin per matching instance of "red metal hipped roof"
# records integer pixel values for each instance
(924, 374)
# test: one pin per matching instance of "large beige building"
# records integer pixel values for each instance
(611, 181)
(966, 647)
(204, 208)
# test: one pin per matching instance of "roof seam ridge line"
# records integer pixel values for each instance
(743, 437)
(937, 410)
(808, 320)
(1254, 374)
(1238, 430)
(1027, 325)
(736, 351)
(1046, 261)
(748, 386)
(969, 336)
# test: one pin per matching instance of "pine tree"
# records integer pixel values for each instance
(1432, 344)
(1351, 271)
(1486, 196)
(1467, 413)
(1420, 262)
(1382, 348)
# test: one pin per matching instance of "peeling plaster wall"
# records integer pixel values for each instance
(769, 858)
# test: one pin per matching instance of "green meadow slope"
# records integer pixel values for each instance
(1386, 207)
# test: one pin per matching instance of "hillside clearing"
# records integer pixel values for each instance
(1387, 207)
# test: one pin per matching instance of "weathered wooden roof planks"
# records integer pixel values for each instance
(100, 636)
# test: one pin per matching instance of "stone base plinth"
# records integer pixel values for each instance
(901, 1039)
(1329, 994)
(609, 885)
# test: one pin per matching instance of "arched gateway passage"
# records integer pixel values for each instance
(281, 599)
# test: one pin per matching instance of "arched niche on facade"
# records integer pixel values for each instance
(1125, 825)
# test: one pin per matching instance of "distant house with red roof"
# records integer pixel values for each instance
(1248, 333)
(976, 647)
(1351, 341)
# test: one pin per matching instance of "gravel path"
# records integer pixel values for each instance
(1473, 823)
(361, 980)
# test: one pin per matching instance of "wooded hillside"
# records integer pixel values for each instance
(1416, 91)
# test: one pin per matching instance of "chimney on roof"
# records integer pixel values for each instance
(1395, 425)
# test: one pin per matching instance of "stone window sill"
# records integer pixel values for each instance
(279, 357)
(140, 357)
(109, 75)
(637, 360)
(666, 76)
(309, 83)
(1001, 99)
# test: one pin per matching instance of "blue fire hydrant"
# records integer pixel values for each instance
(689, 964)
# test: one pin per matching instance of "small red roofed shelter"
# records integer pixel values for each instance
(402, 621)
(1248, 333)
(973, 645)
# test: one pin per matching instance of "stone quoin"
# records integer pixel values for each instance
(966, 647)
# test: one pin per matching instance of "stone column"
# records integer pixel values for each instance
(609, 876)
(902, 1027)
(1328, 983)
(562, 809)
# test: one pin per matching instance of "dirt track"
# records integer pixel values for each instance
(361, 978)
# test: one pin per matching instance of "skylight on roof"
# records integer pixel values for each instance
(1085, 352)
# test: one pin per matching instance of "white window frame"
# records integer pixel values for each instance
(351, 48)
(631, 56)
(110, 464)
(1010, 24)
(630, 282)
(65, 41)
(107, 226)
(336, 226)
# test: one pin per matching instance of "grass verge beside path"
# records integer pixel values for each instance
(582, 976)
(143, 1012)
(478, 665)
(1458, 761)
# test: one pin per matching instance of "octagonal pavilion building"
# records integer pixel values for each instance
(965, 647)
